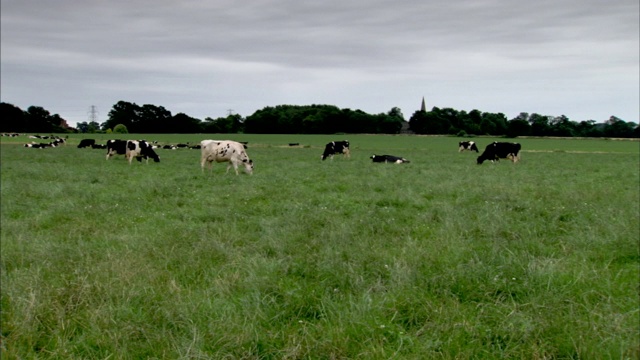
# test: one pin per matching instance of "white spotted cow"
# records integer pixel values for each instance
(229, 151)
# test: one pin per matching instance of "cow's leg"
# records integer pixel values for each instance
(203, 160)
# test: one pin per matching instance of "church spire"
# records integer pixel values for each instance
(424, 107)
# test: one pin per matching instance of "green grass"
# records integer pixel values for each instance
(438, 258)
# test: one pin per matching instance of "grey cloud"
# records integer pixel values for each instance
(166, 52)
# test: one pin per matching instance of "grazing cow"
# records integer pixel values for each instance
(500, 150)
(140, 150)
(388, 159)
(336, 147)
(116, 147)
(467, 145)
(86, 143)
(99, 146)
(225, 151)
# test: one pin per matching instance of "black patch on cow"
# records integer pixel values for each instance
(86, 143)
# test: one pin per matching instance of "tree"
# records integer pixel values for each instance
(562, 126)
(90, 128)
(540, 125)
(13, 118)
(518, 127)
(396, 113)
(616, 127)
(120, 129)
(124, 113)
(184, 124)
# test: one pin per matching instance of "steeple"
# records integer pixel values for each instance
(424, 107)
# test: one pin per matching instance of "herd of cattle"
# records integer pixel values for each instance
(234, 153)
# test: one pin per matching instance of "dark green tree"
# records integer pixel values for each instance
(562, 126)
(616, 127)
(124, 113)
(13, 118)
(518, 127)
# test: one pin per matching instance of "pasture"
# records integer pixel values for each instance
(344, 259)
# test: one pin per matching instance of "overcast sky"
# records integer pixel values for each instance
(578, 58)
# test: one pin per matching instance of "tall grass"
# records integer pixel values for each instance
(438, 258)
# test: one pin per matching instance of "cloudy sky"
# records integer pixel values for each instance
(578, 58)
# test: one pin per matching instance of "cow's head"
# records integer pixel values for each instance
(248, 166)
(148, 151)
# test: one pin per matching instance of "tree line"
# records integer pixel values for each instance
(127, 117)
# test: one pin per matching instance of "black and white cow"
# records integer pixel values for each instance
(99, 146)
(467, 145)
(336, 148)
(140, 149)
(116, 147)
(500, 150)
(86, 143)
(38, 146)
(388, 159)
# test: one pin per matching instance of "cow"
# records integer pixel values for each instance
(336, 147)
(116, 147)
(86, 143)
(467, 145)
(388, 159)
(225, 151)
(38, 146)
(500, 150)
(99, 146)
(140, 149)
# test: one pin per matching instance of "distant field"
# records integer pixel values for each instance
(344, 259)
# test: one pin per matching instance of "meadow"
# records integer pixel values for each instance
(342, 259)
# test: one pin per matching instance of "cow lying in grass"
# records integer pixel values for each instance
(388, 159)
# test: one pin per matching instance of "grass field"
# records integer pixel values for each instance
(345, 259)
